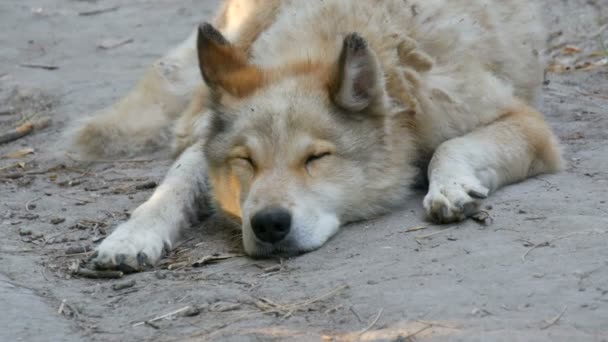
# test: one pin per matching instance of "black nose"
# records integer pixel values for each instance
(271, 224)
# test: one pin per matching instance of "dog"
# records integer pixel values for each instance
(296, 117)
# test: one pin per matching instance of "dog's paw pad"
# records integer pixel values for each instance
(129, 250)
(453, 202)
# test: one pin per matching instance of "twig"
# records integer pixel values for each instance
(373, 322)
(157, 318)
(23, 130)
(98, 11)
(415, 229)
(39, 66)
(7, 111)
(555, 319)
(91, 274)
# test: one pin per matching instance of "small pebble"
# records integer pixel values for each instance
(190, 311)
(57, 220)
(123, 285)
(146, 186)
(25, 232)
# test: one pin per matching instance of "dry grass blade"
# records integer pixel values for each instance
(157, 318)
(554, 320)
(209, 259)
(373, 322)
(418, 238)
(269, 306)
(549, 242)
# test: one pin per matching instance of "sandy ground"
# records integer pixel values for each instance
(374, 281)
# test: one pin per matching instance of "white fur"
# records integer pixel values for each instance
(157, 223)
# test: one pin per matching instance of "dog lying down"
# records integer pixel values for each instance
(310, 115)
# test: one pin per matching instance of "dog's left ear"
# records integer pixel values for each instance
(223, 66)
(358, 82)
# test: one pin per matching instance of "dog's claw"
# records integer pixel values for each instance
(453, 201)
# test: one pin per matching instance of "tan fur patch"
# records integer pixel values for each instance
(226, 191)
(531, 124)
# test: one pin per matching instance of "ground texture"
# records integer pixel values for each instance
(537, 271)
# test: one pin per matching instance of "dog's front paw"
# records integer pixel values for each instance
(133, 246)
(452, 201)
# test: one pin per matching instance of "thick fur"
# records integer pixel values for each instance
(324, 109)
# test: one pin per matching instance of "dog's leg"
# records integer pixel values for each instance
(465, 170)
(141, 121)
(156, 224)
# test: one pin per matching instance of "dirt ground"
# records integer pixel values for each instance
(538, 271)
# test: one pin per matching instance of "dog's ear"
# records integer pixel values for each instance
(358, 81)
(223, 66)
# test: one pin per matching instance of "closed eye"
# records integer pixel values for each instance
(315, 157)
(247, 159)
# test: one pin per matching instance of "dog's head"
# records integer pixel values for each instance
(296, 150)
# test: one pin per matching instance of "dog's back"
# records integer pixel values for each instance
(452, 40)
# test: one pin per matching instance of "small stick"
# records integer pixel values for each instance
(39, 66)
(415, 229)
(23, 130)
(7, 111)
(16, 133)
(91, 274)
(555, 319)
(98, 11)
(374, 321)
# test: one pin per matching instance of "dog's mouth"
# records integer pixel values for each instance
(285, 248)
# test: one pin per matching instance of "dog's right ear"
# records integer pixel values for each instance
(358, 81)
(223, 66)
